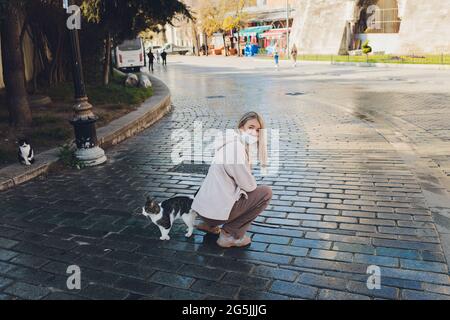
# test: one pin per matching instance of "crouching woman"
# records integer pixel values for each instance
(229, 195)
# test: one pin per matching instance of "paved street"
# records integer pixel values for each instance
(363, 179)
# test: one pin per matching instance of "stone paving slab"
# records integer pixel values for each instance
(344, 199)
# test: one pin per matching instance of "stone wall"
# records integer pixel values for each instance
(425, 27)
(319, 25)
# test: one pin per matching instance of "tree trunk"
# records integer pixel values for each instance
(239, 43)
(224, 44)
(107, 61)
(14, 69)
(206, 44)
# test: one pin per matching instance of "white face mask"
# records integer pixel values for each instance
(248, 138)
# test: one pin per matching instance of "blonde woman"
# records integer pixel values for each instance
(229, 195)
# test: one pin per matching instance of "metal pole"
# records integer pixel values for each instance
(287, 29)
(83, 121)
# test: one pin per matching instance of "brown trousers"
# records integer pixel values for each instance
(244, 212)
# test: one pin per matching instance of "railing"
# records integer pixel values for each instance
(443, 58)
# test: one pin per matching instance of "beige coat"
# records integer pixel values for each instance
(228, 177)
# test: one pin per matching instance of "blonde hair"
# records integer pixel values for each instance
(262, 139)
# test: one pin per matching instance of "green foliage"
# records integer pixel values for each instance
(68, 158)
(113, 93)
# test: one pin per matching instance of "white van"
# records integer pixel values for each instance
(130, 55)
(171, 48)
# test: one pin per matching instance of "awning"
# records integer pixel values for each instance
(275, 33)
(253, 31)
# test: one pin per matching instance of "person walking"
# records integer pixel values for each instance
(151, 58)
(164, 57)
(294, 53)
(229, 195)
(276, 58)
(158, 56)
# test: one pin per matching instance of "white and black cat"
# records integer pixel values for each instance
(26, 153)
(165, 213)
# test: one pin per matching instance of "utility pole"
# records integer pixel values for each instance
(83, 121)
(287, 29)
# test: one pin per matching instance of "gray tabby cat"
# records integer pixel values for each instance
(165, 213)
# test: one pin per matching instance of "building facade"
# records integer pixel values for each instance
(390, 26)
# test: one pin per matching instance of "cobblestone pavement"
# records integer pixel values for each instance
(346, 196)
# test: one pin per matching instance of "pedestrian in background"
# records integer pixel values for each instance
(158, 56)
(164, 57)
(151, 58)
(276, 57)
(294, 53)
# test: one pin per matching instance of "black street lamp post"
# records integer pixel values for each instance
(83, 119)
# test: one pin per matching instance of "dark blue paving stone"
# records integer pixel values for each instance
(137, 286)
(260, 256)
(29, 261)
(357, 248)
(228, 264)
(424, 265)
(4, 282)
(277, 231)
(119, 245)
(384, 292)
(169, 293)
(376, 260)
(306, 243)
(91, 250)
(6, 255)
(9, 232)
(322, 281)
(125, 256)
(30, 275)
(5, 297)
(172, 280)
(249, 294)
(406, 244)
(80, 232)
(288, 250)
(416, 275)
(56, 267)
(7, 243)
(400, 253)
(215, 288)
(99, 277)
(331, 255)
(275, 273)
(401, 283)
(271, 239)
(433, 256)
(293, 289)
(327, 294)
(330, 265)
(132, 270)
(161, 264)
(27, 291)
(245, 280)
(191, 258)
(201, 272)
(422, 295)
(54, 296)
(98, 292)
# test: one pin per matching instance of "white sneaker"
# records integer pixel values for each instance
(228, 241)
